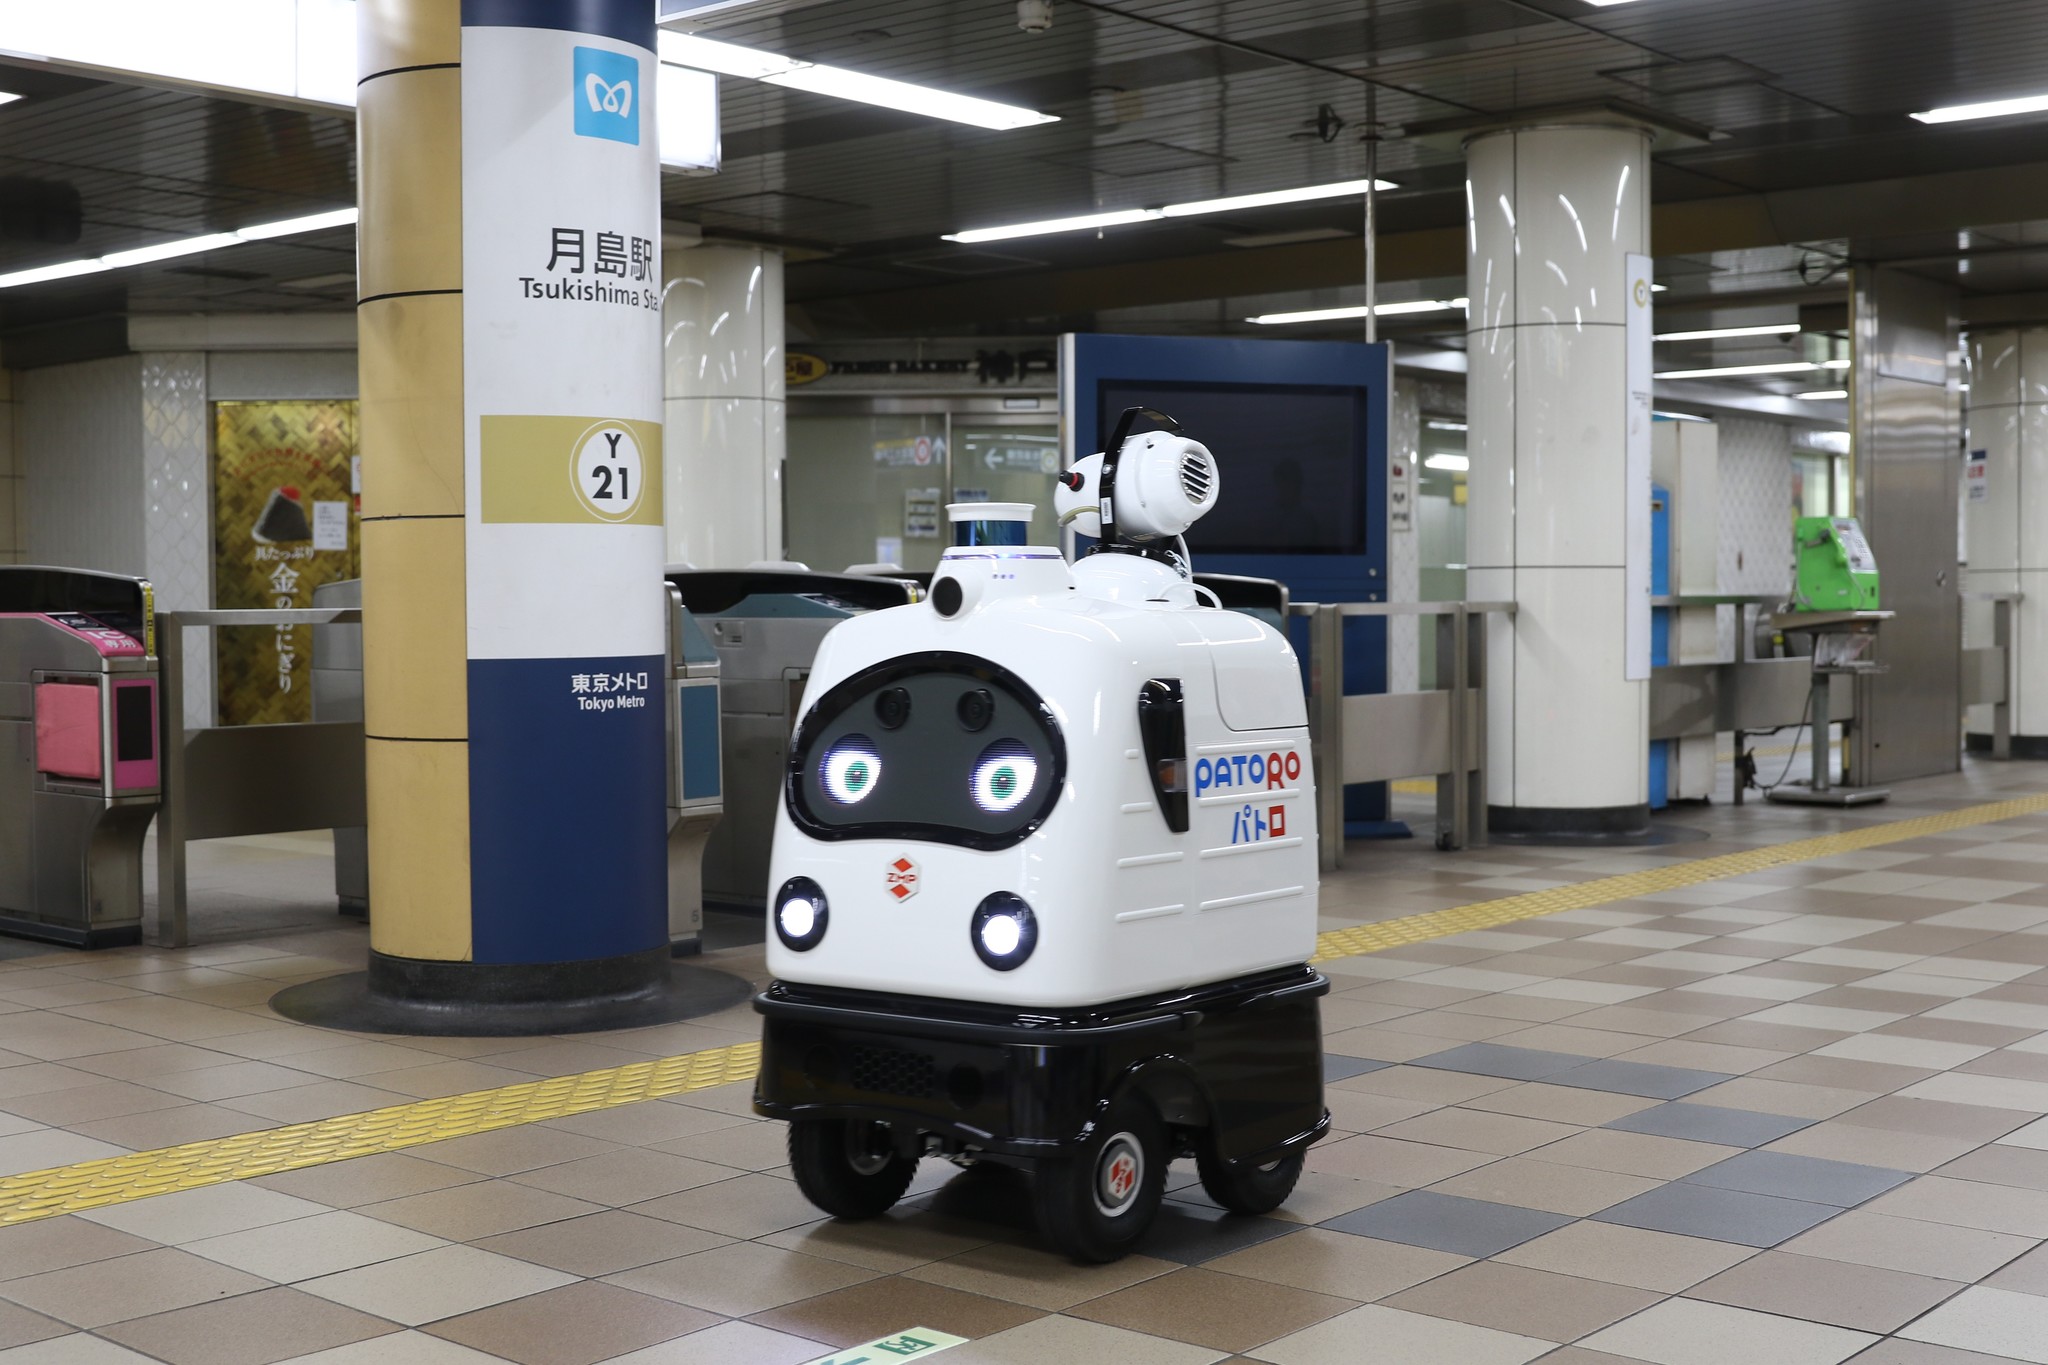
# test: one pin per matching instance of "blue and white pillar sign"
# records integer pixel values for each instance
(562, 393)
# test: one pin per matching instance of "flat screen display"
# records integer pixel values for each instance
(1292, 460)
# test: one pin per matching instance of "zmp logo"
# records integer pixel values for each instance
(605, 98)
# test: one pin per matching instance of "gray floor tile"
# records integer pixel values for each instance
(1710, 1123)
(1337, 1066)
(1637, 1078)
(1447, 1222)
(1841, 1183)
(1753, 1220)
(1491, 1059)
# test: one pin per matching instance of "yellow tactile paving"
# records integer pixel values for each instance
(117, 1180)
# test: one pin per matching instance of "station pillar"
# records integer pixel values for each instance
(2005, 522)
(513, 609)
(723, 402)
(1554, 215)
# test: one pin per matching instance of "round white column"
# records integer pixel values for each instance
(2007, 532)
(1554, 212)
(721, 318)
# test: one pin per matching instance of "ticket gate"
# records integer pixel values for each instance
(766, 625)
(338, 695)
(79, 753)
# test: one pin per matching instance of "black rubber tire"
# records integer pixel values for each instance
(1248, 1189)
(1092, 1229)
(848, 1169)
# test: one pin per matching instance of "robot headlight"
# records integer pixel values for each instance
(1004, 931)
(850, 769)
(1004, 776)
(801, 913)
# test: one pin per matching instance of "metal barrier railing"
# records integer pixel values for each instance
(1378, 737)
(226, 780)
(1986, 670)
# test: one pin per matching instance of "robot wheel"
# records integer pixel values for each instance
(1095, 1204)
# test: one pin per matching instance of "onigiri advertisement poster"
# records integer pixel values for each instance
(286, 519)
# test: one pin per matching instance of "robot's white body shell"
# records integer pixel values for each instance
(1125, 907)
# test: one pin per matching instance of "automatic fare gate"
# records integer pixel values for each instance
(79, 762)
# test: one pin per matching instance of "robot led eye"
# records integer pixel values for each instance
(1004, 931)
(1004, 776)
(850, 769)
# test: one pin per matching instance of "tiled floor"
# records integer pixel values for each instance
(1795, 1116)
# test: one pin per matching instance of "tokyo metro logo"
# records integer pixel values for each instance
(606, 95)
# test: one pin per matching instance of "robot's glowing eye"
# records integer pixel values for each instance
(850, 769)
(1004, 776)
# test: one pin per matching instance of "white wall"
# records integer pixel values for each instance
(80, 431)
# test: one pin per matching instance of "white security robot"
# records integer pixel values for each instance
(1043, 887)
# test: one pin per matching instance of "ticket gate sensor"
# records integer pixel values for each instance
(79, 753)
(765, 625)
(338, 695)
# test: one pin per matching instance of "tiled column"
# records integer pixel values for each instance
(723, 407)
(2007, 527)
(1554, 212)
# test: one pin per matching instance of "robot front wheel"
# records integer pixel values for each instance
(847, 1167)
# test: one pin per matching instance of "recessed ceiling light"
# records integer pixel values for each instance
(730, 59)
(1729, 371)
(1192, 208)
(1963, 113)
(1383, 310)
(184, 246)
(1716, 333)
(1822, 395)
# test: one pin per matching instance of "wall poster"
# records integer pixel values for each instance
(286, 519)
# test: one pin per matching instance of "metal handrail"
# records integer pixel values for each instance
(1399, 608)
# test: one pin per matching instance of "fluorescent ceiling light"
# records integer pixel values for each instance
(1834, 364)
(1076, 224)
(1775, 329)
(1962, 113)
(1822, 395)
(8, 97)
(1603, 4)
(1678, 416)
(1456, 463)
(1729, 371)
(1383, 310)
(1335, 190)
(1083, 222)
(184, 246)
(730, 59)
(1434, 425)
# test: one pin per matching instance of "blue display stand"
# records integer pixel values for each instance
(1300, 432)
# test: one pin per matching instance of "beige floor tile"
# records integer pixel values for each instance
(647, 1123)
(1836, 1140)
(2026, 1275)
(230, 1080)
(1422, 1083)
(55, 1037)
(1385, 1045)
(1969, 1204)
(1643, 1154)
(1990, 1092)
(1398, 1336)
(1532, 1303)
(749, 1206)
(741, 1278)
(509, 1151)
(249, 1329)
(367, 1180)
(467, 1212)
(1685, 1332)
(447, 1077)
(83, 1104)
(1339, 1264)
(1996, 1322)
(46, 1147)
(76, 1349)
(209, 1211)
(172, 1127)
(740, 1146)
(727, 1343)
(1912, 1245)
(56, 1243)
(601, 1243)
(627, 1176)
(19, 1327)
(1389, 1161)
(1560, 1104)
(1038, 1278)
(577, 1324)
(1532, 1183)
(1781, 1097)
(306, 1247)
(1477, 1131)
(900, 1240)
(1637, 1257)
(399, 1348)
(308, 1103)
(1354, 1112)
(435, 1284)
(362, 1059)
(863, 1312)
(1866, 1298)
(1999, 1164)
(1059, 1338)
(1208, 1308)
(147, 1282)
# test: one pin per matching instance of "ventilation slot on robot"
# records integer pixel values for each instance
(1195, 477)
(886, 1071)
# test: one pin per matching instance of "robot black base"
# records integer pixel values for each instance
(1234, 1066)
